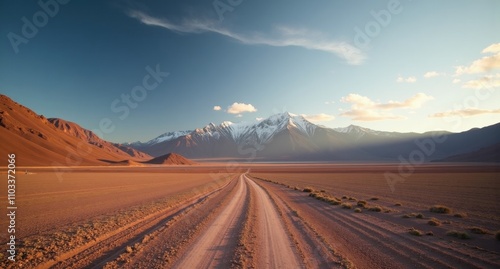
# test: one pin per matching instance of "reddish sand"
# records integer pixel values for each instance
(219, 216)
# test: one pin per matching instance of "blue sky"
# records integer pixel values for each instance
(387, 65)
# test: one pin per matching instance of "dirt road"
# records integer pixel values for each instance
(246, 222)
(276, 249)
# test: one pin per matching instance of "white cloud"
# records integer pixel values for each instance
(364, 109)
(217, 108)
(285, 36)
(432, 74)
(238, 108)
(259, 119)
(318, 117)
(329, 102)
(457, 80)
(484, 64)
(489, 81)
(493, 48)
(411, 79)
(467, 112)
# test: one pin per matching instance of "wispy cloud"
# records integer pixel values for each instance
(285, 36)
(318, 117)
(369, 115)
(484, 64)
(488, 81)
(467, 112)
(364, 109)
(238, 108)
(411, 79)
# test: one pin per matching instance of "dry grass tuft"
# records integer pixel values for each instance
(398, 204)
(415, 232)
(434, 222)
(478, 230)
(375, 209)
(461, 215)
(361, 203)
(358, 210)
(346, 205)
(308, 189)
(441, 209)
(457, 234)
(419, 216)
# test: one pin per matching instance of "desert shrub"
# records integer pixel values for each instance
(440, 209)
(346, 205)
(375, 209)
(406, 216)
(457, 234)
(129, 249)
(296, 188)
(322, 191)
(497, 235)
(352, 199)
(460, 215)
(358, 210)
(419, 216)
(398, 204)
(434, 222)
(334, 201)
(344, 197)
(361, 203)
(374, 198)
(430, 233)
(478, 230)
(308, 189)
(415, 232)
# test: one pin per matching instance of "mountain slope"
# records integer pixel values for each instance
(171, 159)
(37, 140)
(486, 154)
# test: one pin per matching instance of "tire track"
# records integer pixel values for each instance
(215, 247)
(110, 245)
(275, 249)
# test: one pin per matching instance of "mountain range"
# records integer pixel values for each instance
(290, 137)
(37, 140)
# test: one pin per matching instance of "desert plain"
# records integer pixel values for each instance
(295, 215)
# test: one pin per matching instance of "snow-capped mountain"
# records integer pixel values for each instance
(164, 137)
(287, 136)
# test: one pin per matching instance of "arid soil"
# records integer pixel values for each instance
(255, 217)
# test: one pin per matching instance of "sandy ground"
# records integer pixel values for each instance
(212, 216)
